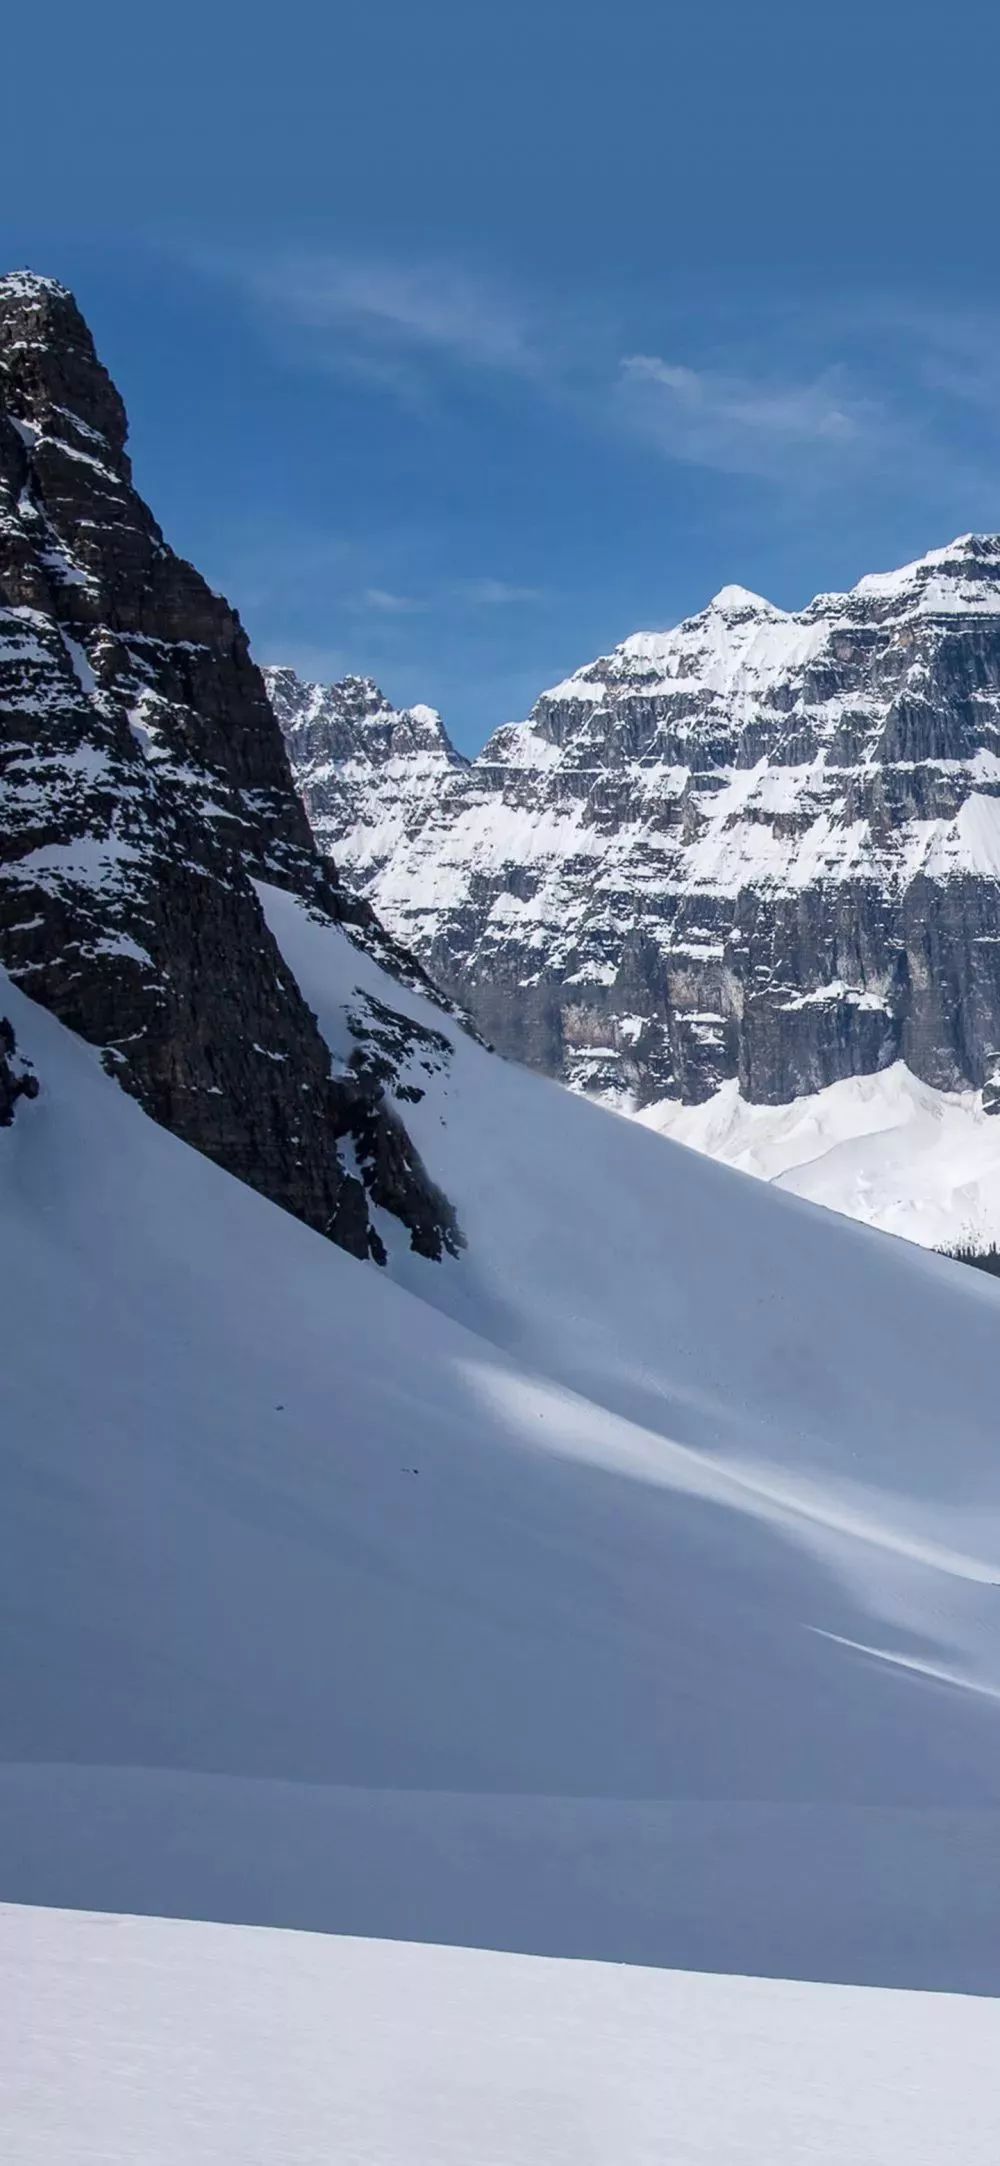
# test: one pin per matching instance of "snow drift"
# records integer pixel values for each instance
(884, 1148)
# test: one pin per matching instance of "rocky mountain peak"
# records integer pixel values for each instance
(358, 761)
(963, 577)
(54, 383)
(353, 718)
(735, 601)
(146, 789)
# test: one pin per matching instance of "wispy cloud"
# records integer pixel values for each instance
(445, 598)
(383, 603)
(379, 318)
(858, 394)
(742, 424)
(495, 593)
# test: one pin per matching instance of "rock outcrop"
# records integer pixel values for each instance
(16, 1077)
(763, 845)
(145, 788)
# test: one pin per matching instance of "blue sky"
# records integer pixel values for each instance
(461, 340)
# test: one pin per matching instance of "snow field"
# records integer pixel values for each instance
(183, 2044)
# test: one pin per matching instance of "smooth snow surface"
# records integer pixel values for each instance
(626, 1588)
(173, 2044)
(885, 1148)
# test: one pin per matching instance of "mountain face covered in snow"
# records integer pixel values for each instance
(763, 846)
(144, 785)
(619, 1585)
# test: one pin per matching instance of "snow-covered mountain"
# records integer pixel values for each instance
(624, 1587)
(617, 1582)
(764, 846)
(144, 785)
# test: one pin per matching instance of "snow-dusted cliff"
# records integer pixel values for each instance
(144, 785)
(361, 766)
(762, 845)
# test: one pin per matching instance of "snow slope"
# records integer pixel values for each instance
(203, 2045)
(884, 1148)
(626, 1587)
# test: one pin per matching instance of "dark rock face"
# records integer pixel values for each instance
(16, 1078)
(145, 787)
(762, 845)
